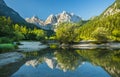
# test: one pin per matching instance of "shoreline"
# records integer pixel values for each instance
(112, 45)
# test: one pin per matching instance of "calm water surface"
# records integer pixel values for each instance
(65, 63)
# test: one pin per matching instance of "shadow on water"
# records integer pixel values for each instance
(67, 63)
(7, 70)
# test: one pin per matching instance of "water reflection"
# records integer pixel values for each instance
(68, 60)
(71, 63)
(108, 59)
(42, 70)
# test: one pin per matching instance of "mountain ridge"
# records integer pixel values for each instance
(105, 26)
(54, 19)
(111, 10)
(9, 12)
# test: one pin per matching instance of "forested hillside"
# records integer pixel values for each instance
(107, 28)
(16, 32)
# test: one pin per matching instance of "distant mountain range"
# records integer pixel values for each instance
(8, 12)
(54, 20)
(70, 17)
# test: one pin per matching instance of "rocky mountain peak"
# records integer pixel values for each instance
(54, 20)
(64, 12)
(113, 9)
(51, 19)
(67, 17)
(35, 20)
(35, 17)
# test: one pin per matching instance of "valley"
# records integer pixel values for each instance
(62, 45)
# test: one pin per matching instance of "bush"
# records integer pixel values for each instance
(5, 40)
(7, 47)
(18, 36)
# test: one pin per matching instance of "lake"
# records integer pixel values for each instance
(65, 63)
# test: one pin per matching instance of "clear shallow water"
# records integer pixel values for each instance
(43, 70)
(66, 63)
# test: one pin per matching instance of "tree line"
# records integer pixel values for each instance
(98, 29)
(18, 32)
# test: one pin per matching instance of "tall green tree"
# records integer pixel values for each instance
(66, 32)
(5, 27)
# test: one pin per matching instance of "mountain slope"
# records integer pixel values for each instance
(35, 20)
(8, 12)
(39, 23)
(113, 9)
(104, 27)
(52, 19)
(67, 17)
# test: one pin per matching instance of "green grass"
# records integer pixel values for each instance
(7, 47)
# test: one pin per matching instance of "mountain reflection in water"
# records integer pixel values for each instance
(71, 63)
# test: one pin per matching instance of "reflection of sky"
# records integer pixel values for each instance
(42, 70)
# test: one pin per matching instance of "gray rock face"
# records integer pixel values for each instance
(67, 17)
(113, 9)
(39, 23)
(8, 12)
(51, 19)
(35, 20)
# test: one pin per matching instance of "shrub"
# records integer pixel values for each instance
(7, 47)
(5, 40)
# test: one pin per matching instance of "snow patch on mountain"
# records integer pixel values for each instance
(54, 20)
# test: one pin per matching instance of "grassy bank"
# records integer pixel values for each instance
(7, 47)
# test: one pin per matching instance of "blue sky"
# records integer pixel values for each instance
(43, 8)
